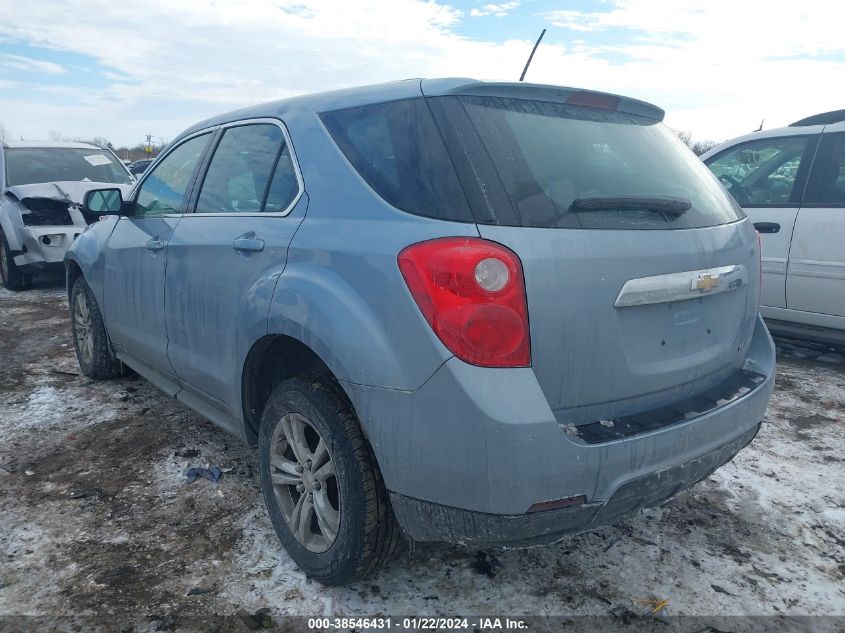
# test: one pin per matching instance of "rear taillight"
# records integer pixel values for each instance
(472, 293)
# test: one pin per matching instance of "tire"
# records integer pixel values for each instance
(366, 534)
(90, 340)
(10, 274)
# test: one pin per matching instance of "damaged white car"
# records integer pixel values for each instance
(41, 205)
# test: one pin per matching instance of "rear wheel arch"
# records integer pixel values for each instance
(271, 360)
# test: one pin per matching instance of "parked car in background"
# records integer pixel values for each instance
(791, 183)
(138, 167)
(42, 185)
(489, 313)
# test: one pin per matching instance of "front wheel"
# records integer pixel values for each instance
(321, 483)
(10, 274)
(89, 335)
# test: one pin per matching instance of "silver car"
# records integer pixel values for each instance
(40, 208)
(478, 312)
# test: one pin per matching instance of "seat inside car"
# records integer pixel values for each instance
(833, 184)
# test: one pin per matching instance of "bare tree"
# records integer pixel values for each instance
(4, 133)
(698, 147)
(101, 141)
(54, 135)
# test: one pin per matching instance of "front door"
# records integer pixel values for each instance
(767, 178)
(816, 277)
(224, 260)
(136, 257)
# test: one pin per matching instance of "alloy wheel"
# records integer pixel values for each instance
(83, 328)
(305, 482)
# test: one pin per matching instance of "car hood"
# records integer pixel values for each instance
(56, 203)
(68, 191)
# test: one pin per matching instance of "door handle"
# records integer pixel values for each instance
(156, 244)
(767, 227)
(250, 245)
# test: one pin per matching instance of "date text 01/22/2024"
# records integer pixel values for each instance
(416, 624)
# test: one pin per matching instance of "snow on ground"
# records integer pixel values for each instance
(98, 522)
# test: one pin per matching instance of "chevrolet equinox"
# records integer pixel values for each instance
(488, 313)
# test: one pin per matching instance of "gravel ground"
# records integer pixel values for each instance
(98, 522)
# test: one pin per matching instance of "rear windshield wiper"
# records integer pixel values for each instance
(671, 205)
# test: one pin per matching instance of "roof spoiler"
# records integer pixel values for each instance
(824, 118)
(542, 92)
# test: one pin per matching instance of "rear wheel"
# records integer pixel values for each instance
(321, 483)
(12, 277)
(89, 335)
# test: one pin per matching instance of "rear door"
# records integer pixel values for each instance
(767, 177)
(225, 257)
(816, 277)
(136, 257)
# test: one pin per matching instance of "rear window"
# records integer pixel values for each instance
(397, 149)
(30, 165)
(568, 166)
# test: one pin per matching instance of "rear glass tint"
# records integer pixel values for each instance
(397, 149)
(562, 166)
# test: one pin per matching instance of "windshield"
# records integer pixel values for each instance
(30, 165)
(564, 166)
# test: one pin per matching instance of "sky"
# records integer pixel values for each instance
(123, 69)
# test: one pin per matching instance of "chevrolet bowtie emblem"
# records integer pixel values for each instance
(705, 283)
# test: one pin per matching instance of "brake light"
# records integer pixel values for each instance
(472, 294)
(593, 100)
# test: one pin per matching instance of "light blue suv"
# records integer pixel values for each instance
(483, 313)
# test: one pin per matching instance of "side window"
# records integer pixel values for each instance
(761, 172)
(829, 172)
(397, 149)
(284, 186)
(240, 170)
(164, 189)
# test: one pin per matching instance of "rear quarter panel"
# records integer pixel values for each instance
(341, 292)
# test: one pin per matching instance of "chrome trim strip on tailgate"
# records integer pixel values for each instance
(681, 286)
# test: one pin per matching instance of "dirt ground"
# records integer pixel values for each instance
(98, 522)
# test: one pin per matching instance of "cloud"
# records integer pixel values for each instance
(18, 62)
(761, 28)
(717, 67)
(499, 10)
(573, 20)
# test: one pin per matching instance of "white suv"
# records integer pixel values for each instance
(791, 183)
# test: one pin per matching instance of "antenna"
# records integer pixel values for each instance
(761, 125)
(531, 56)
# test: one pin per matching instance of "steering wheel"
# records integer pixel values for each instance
(737, 190)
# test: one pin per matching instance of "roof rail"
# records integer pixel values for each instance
(825, 118)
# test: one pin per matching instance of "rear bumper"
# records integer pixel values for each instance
(473, 443)
(425, 521)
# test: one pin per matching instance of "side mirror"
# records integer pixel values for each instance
(103, 201)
